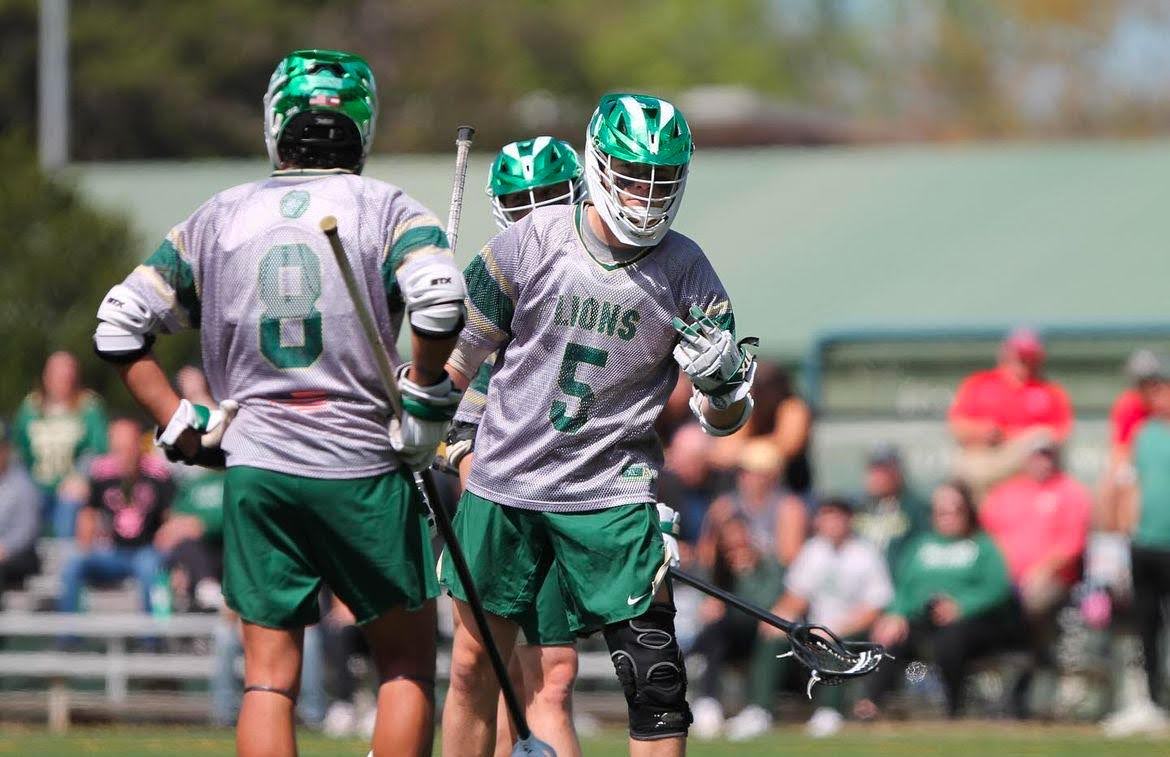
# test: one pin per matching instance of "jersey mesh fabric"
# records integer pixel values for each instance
(279, 332)
(474, 400)
(585, 366)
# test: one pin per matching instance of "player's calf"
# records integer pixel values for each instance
(649, 665)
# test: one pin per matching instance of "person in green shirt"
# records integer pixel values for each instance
(57, 428)
(192, 537)
(891, 514)
(1150, 544)
(952, 595)
(755, 575)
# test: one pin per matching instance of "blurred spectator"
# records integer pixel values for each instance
(742, 567)
(778, 520)
(345, 648)
(783, 417)
(952, 595)
(689, 484)
(891, 513)
(1040, 521)
(1000, 414)
(20, 510)
(192, 537)
(1118, 491)
(57, 429)
(192, 541)
(839, 581)
(130, 493)
(1150, 551)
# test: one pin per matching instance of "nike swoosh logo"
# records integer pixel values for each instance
(631, 601)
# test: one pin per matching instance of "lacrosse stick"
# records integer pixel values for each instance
(528, 744)
(830, 659)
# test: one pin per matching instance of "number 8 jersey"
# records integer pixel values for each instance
(586, 365)
(252, 270)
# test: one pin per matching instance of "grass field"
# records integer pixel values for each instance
(996, 739)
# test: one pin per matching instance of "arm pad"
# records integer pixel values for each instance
(434, 293)
(124, 326)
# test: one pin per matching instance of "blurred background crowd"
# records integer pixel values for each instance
(1006, 587)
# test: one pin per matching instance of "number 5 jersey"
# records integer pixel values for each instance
(252, 270)
(585, 366)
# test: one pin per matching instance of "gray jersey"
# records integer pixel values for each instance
(585, 366)
(252, 270)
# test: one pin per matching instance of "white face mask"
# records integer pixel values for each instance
(507, 214)
(638, 209)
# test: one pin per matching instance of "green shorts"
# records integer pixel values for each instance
(365, 538)
(547, 622)
(605, 560)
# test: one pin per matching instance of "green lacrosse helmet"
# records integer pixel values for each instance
(639, 195)
(320, 110)
(532, 173)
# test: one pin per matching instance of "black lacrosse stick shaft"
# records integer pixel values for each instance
(425, 479)
(758, 613)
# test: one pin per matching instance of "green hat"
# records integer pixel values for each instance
(528, 165)
(645, 130)
(320, 110)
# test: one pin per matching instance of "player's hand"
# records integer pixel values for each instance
(428, 412)
(945, 611)
(716, 365)
(195, 432)
(890, 630)
(460, 442)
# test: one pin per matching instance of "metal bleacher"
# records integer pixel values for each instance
(96, 664)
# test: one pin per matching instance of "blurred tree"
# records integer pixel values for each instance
(173, 80)
(61, 256)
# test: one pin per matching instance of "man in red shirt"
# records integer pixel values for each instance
(1040, 521)
(1118, 486)
(1000, 415)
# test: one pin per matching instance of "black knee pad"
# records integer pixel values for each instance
(650, 668)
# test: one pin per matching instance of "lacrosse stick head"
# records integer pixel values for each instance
(532, 747)
(831, 660)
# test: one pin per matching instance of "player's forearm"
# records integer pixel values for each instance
(465, 361)
(725, 418)
(148, 385)
(428, 358)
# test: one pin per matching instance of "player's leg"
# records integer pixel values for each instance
(272, 675)
(403, 647)
(608, 560)
(507, 554)
(549, 673)
(548, 660)
(506, 734)
(372, 547)
(469, 713)
(270, 583)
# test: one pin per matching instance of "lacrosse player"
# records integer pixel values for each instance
(526, 175)
(317, 487)
(593, 308)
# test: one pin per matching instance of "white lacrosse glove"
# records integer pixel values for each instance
(668, 525)
(428, 411)
(719, 368)
(208, 422)
(460, 443)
